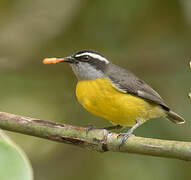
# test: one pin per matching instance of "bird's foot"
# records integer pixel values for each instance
(128, 133)
(124, 136)
(90, 127)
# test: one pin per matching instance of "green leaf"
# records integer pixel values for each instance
(14, 164)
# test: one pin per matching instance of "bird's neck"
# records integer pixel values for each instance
(86, 72)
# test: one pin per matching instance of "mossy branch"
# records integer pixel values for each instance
(96, 140)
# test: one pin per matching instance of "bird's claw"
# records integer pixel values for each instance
(90, 127)
(125, 136)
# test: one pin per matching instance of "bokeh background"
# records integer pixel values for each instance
(150, 38)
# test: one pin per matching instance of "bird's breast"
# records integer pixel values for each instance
(101, 98)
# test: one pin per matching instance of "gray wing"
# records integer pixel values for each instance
(127, 82)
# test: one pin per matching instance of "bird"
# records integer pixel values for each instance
(114, 93)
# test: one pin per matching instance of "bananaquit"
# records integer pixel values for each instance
(114, 93)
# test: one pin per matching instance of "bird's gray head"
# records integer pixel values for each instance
(89, 64)
(86, 64)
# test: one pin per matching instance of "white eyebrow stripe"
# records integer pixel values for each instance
(96, 56)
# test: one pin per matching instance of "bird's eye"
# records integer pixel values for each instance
(86, 57)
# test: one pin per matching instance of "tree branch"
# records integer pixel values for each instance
(97, 140)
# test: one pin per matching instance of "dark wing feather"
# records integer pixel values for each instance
(127, 82)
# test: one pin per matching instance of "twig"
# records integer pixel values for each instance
(97, 140)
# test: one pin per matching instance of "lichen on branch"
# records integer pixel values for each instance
(99, 140)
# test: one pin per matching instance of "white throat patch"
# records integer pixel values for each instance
(96, 56)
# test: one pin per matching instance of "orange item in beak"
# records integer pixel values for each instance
(52, 60)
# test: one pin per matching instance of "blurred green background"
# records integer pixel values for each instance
(150, 38)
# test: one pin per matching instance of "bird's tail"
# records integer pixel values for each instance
(175, 118)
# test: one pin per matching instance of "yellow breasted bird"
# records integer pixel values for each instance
(112, 92)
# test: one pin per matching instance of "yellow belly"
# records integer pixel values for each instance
(102, 99)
